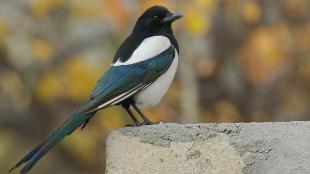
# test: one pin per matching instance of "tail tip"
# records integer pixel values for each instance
(12, 169)
(23, 171)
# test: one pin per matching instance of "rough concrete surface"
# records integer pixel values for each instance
(228, 148)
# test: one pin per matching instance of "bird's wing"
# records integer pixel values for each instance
(121, 82)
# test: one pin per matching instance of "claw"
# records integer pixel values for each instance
(149, 123)
(136, 124)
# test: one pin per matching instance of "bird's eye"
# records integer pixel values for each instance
(155, 18)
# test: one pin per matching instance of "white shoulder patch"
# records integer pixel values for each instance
(148, 48)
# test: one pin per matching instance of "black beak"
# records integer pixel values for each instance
(170, 17)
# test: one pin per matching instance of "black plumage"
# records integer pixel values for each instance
(145, 27)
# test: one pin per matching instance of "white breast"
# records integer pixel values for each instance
(149, 48)
(152, 95)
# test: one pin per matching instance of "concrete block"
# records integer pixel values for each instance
(228, 148)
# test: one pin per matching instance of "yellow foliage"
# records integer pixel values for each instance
(78, 78)
(111, 118)
(209, 4)
(56, 3)
(226, 112)
(162, 112)
(294, 101)
(196, 22)
(49, 88)
(259, 115)
(147, 4)
(264, 53)
(115, 13)
(3, 27)
(41, 8)
(10, 84)
(302, 35)
(304, 70)
(5, 145)
(296, 8)
(73, 80)
(41, 50)
(205, 67)
(251, 11)
(82, 146)
(90, 9)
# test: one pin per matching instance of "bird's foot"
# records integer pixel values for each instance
(136, 124)
(149, 123)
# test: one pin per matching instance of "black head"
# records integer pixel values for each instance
(156, 20)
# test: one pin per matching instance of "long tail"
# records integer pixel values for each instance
(75, 120)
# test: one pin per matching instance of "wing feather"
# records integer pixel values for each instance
(122, 82)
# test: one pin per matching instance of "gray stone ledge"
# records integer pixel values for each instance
(228, 148)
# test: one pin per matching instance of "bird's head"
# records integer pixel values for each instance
(156, 20)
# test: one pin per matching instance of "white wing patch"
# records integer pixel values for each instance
(121, 97)
(149, 47)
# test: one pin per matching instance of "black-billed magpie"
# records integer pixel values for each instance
(142, 70)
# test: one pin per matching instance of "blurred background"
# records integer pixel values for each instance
(240, 61)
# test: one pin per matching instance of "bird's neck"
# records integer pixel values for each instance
(167, 29)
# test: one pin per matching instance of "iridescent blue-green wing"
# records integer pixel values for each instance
(121, 82)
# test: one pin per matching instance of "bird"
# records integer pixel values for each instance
(141, 72)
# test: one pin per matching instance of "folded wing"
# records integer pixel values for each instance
(122, 82)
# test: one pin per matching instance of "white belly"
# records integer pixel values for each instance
(152, 95)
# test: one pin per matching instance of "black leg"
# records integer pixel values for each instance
(126, 106)
(132, 116)
(145, 119)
